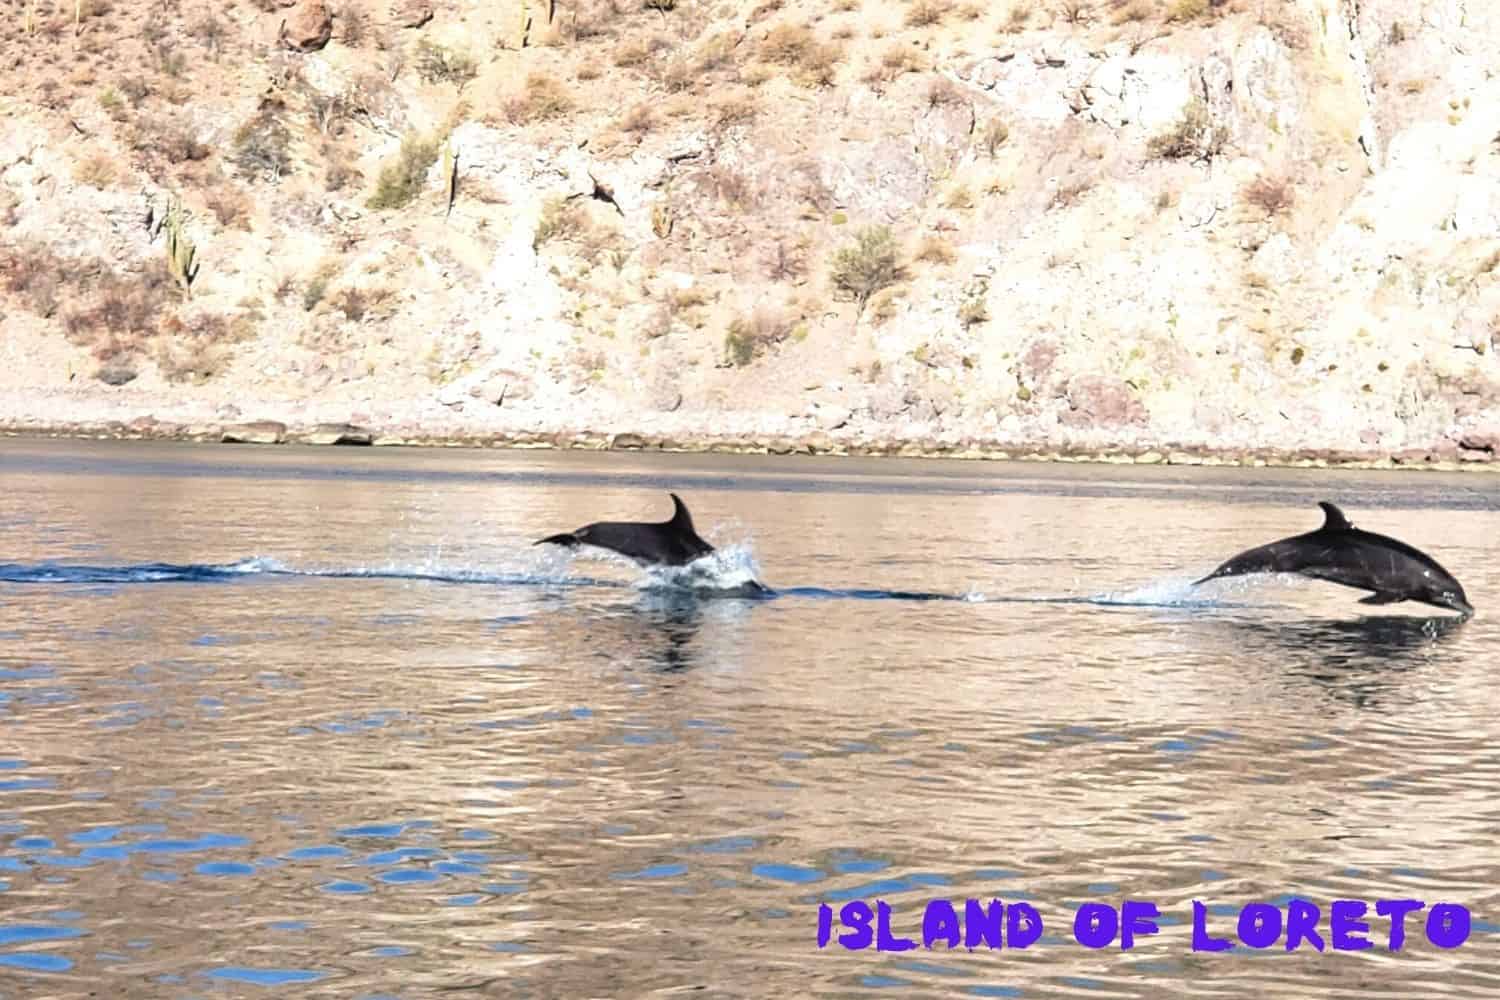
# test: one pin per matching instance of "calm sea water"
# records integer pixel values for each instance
(314, 723)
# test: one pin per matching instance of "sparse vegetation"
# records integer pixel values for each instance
(96, 171)
(1187, 10)
(994, 136)
(317, 286)
(35, 272)
(1196, 136)
(1075, 11)
(543, 100)
(1272, 195)
(973, 313)
(895, 62)
(796, 48)
(440, 64)
(958, 199)
(561, 219)
(262, 146)
(750, 338)
(230, 206)
(353, 24)
(926, 13)
(402, 179)
(936, 250)
(943, 93)
(639, 120)
(863, 268)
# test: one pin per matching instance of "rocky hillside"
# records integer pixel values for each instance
(1230, 226)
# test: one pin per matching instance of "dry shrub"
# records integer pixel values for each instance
(897, 60)
(786, 263)
(35, 273)
(353, 24)
(210, 33)
(440, 64)
(632, 53)
(262, 146)
(731, 111)
(943, 93)
(795, 47)
(123, 315)
(787, 44)
(198, 348)
(1195, 136)
(544, 99)
(936, 250)
(926, 13)
(230, 206)
(1076, 11)
(639, 120)
(561, 219)
(1272, 195)
(731, 186)
(750, 337)
(1188, 10)
(994, 136)
(172, 140)
(339, 174)
(1069, 194)
(96, 171)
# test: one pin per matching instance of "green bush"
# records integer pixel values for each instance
(866, 266)
(401, 180)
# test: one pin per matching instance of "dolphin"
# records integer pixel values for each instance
(1341, 553)
(673, 542)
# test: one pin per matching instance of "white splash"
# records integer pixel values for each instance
(727, 569)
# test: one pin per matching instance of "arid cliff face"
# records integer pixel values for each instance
(1237, 227)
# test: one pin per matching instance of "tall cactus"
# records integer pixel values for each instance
(181, 254)
(450, 176)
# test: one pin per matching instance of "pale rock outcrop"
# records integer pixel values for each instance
(1147, 91)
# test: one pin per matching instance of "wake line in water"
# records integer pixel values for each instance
(219, 572)
(724, 579)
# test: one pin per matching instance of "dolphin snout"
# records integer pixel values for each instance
(566, 538)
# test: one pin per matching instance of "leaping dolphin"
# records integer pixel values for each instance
(1341, 553)
(672, 542)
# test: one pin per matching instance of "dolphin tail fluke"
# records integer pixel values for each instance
(567, 538)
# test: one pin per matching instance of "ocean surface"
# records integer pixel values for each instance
(281, 722)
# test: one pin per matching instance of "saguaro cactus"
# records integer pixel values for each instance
(181, 254)
(450, 176)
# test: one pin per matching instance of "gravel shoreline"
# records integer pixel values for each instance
(1448, 458)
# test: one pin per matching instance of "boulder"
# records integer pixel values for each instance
(338, 434)
(256, 432)
(308, 28)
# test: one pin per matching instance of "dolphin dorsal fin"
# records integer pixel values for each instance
(681, 519)
(1334, 519)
